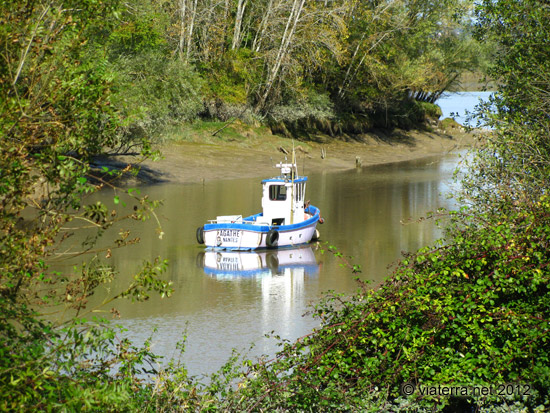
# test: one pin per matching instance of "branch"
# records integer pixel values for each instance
(22, 62)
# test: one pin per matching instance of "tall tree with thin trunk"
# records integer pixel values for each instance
(286, 39)
(241, 6)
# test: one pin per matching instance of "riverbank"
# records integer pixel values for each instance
(240, 151)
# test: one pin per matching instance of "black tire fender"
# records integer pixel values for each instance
(272, 238)
(200, 235)
(316, 235)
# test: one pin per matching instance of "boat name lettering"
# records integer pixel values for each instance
(229, 235)
(229, 232)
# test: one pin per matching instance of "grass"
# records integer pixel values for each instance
(449, 123)
(237, 133)
(203, 131)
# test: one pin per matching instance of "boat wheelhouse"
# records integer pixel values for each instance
(286, 218)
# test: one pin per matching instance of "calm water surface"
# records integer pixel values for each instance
(231, 300)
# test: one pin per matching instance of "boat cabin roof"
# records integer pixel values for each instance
(285, 179)
(287, 170)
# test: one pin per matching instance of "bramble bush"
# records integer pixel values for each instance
(471, 312)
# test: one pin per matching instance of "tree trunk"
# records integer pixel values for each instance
(342, 88)
(241, 6)
(263, 26)
(190, 31)
(181, 43)
(225, 24)
(288, 34)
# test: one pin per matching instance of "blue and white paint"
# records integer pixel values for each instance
(286, 219)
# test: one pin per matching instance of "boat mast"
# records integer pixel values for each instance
(292, 181)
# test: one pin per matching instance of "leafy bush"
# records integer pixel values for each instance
(233, 78)
(430, 110)
(154, 93)
(303, 115)
(471, 312)
(313, 105)
(515, 161)
(55, 115)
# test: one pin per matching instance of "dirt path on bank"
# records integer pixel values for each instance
(253, 156)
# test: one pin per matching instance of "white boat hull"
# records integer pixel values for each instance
(242, 239)
(249, 236)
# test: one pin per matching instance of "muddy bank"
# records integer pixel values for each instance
(253, 156)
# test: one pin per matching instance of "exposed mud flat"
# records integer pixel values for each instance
(253, 156)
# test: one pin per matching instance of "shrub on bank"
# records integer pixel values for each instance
(470, 313)
(473, 312)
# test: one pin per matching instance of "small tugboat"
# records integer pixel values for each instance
(287, 219)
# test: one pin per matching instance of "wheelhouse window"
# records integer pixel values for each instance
(277, 193)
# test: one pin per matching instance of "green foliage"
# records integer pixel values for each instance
(139, 35)
(514, 163)
(430, 110)
(234, 78)
(286, 64)
(152, 89)
(56, 114)
(403, 51)
(172, 91)
(471, 312)
(313, 105)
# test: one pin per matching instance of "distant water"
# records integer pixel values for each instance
(460, 105)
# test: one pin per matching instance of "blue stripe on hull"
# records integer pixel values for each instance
(265, 228)
(255, 248)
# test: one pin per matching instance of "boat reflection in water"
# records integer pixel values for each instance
(263, 290)
(235, 265)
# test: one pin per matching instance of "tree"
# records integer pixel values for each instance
(55, 115)
(155, 87)
(372, 58)
(403, 50)
(514, 164)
